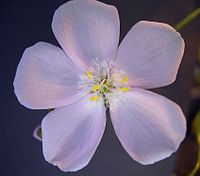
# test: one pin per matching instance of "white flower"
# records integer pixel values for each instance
(92, 74)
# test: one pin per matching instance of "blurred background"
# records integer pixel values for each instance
(25, 22)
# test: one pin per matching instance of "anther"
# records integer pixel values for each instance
(94, 98)
(89, 74)
(124, 79)
(124, 89)
(95, 88)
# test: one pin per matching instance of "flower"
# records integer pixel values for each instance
(92, 73)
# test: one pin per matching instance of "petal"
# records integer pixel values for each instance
(87, 30)
(71, 134)
(45, 78)
(149, 126)
(37, 133)
(151, 54)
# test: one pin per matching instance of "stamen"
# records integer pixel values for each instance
(124, 79)
(124, 89)
(103, 81)
(89, 74)
(94, 98)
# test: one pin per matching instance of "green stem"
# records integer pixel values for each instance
(194, 171)
(196, 168)
(188, 19)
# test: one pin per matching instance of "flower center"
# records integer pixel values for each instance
(102, 81)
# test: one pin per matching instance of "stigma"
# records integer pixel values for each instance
(102, 81)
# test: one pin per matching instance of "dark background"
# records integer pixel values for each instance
(25, 22)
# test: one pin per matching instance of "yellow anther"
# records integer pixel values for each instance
(94, 98)
(95, 88)
(124, 89)
(124, 79)
(89, 74)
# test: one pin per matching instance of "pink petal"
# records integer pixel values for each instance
(149, 126)
(45, 78)
(87, 30)
(71, 134)
(37, 133)
(151, 54)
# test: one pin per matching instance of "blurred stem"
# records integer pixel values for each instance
(196, 168)
(188, 19)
